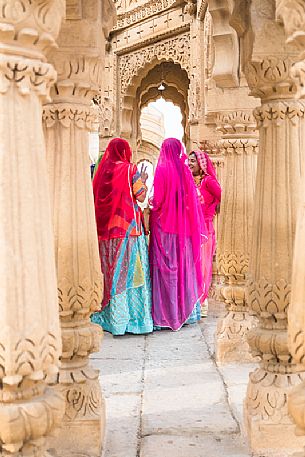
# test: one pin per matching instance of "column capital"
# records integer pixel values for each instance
(32, 25)
(83, 116)
(27, 74)
(79, 76)
(236, 123)
(269, 77)
(279, 112)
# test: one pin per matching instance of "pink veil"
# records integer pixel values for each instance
(205, 162)
(177, 211)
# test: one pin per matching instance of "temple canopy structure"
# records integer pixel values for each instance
(236, 70)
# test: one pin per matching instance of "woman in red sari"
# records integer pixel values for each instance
(209, 192)
(117, 186)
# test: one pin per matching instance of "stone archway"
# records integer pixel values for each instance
(135, 67)
(176, 83)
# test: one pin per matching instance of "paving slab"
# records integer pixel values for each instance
(121, 347)
(203, 446)
(187, 410)
(119, 376)
(236, 373)
(186, 345)
(123, 413)
(166, 397)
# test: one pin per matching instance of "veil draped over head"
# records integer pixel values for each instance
(112, 188)
(177, 211)
(175, 196)
(205, 163)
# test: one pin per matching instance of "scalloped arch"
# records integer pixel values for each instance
(132, 101)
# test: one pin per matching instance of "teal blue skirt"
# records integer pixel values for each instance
(130, 310)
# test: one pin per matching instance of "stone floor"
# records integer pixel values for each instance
(166, 396)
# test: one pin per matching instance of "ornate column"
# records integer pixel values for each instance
(67, 123)
(30, 342)
(281, 125)
(293, 18)
(240, 144)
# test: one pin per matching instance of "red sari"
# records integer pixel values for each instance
(116, 185)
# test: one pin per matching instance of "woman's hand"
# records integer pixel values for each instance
(143, 173)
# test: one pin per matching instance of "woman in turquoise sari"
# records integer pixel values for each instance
(117, 186)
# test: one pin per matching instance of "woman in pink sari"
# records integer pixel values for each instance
(209, 192)
(177, 233)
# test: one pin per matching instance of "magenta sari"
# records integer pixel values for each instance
(177, 233)
(209, 192)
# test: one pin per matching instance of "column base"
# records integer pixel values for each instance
(79, 439)
(273, 440)
(83, 427)
(231, 338)
(270, 429)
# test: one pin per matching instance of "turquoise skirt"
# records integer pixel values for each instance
(128, 311)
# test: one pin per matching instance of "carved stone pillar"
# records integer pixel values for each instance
(67, 123)
(30, 341)
(281, 125)
(293, 17)
(240, 144)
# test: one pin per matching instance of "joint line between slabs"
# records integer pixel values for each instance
(139, 433)
(222, 380)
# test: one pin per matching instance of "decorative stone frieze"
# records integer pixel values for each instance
(239, 143)
(30, 343)
(141, 12)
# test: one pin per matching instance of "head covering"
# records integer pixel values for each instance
(205, 163)
(115, 208)
(175, 192)
(176, 209)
